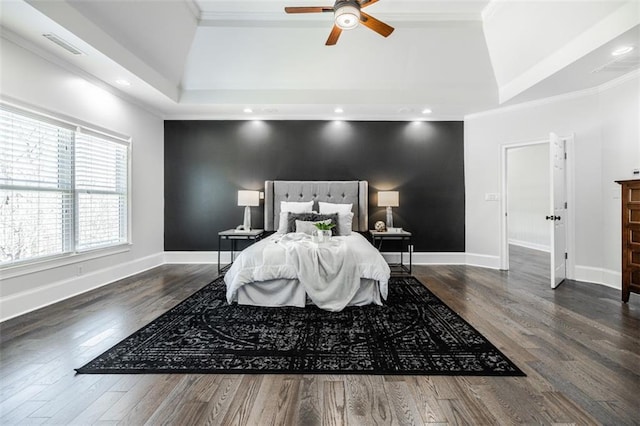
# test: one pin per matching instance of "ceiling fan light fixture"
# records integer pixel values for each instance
(347, 17)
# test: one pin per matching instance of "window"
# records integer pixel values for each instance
(63, 189)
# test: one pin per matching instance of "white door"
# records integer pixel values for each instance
(558, 205)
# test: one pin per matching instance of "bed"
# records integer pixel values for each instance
(280, 269)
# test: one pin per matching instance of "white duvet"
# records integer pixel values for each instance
(330, 272)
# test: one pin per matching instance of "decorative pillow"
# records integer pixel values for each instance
(283, 222)
(345, 222)
(293, 207)
(328, 208)
(309, 227)
(296, 207)
(312, 217)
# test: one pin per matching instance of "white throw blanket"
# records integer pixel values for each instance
(327, 271)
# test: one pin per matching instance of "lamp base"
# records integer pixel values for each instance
(389, 218)
(246, 223)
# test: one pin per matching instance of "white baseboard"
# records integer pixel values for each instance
(419, 258)
(600, 276)
(198, 257)
(27, 301)
(427, 258)
(532, 246)
(482, 260)
(202, 257)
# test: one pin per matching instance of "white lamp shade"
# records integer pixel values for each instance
(388, 199)
(248, 198)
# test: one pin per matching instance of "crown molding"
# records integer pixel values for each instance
(559, 98)
(620, 80)
(309, 117)
(194, 9)
(247, 19)
(533, 104)
(490, 9)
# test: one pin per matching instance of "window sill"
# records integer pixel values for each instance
(26, 268)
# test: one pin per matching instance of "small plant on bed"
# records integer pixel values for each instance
(323, 231)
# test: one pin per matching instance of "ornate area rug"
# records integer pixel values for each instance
(413, 333)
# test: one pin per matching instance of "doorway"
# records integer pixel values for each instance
(535, 219)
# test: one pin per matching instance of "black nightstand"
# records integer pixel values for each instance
(234, 236)
(377, 238)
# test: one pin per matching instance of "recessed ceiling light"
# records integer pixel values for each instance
(338, 110)
(622, 50)
(123, 82)
(426, 111)
(248, 110)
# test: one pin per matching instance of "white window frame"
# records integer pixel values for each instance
(37, 264)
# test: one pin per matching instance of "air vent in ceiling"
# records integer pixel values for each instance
(65, 45)
(623, 63)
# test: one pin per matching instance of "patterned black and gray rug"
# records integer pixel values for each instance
(413, 333)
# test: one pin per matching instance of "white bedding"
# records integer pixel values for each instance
(330, 283)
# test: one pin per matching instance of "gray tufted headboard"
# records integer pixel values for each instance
(341, 192)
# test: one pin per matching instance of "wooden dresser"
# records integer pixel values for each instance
(630, 237)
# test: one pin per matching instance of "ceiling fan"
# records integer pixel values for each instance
(347, 15)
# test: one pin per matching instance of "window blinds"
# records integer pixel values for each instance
(101, 191)
(61, 190)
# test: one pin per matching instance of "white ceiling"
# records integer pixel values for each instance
(213, 59)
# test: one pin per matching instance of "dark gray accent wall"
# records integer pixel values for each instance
(207, 162)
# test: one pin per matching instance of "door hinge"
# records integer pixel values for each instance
(565, 204)
(566, 255)
(565, 155)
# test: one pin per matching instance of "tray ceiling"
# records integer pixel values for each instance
(216, 59)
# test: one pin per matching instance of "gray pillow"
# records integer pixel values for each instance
(312, 217)
(309, 227)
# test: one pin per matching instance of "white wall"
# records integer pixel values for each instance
(607, 147)
(528, 196)
(31, 80)
(619, 110)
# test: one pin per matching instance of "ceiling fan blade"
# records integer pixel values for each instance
(308, 9)
(367, 3)
(333, 37)
(377, 26)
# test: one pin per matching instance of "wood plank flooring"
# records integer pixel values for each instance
(578, 344)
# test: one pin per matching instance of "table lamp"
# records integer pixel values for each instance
(248, 199)
(388, 199)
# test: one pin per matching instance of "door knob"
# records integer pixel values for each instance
(552, 217)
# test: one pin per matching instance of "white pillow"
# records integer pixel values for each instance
(287, 207)
(296, 207)
(345, 215)
(328, 208)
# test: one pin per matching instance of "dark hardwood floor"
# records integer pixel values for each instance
(578, 344)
